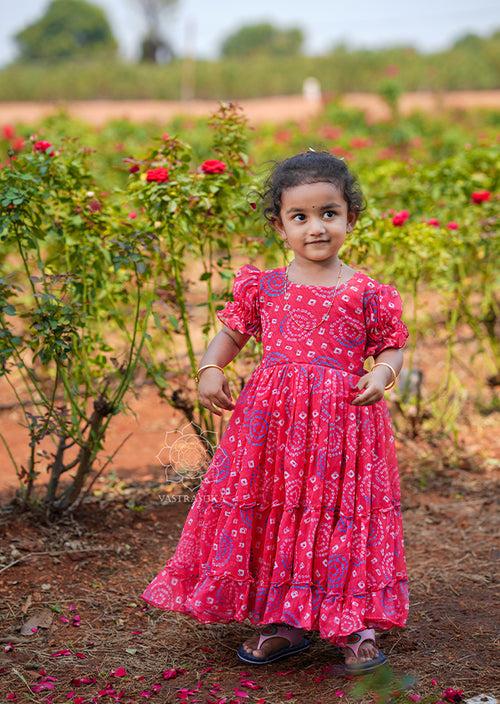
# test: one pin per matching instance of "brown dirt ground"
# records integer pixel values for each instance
(102, 560)
(258, 110)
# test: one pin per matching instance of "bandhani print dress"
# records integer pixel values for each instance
(298, 517)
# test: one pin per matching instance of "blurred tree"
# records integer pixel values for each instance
(69, 29)
(155, 47)
(263, 38)
(468, 41)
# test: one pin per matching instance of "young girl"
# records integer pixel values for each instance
(297, 524)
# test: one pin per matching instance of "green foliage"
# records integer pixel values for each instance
(338, 71)
(96, 256)
(80, 281)
(69, 29)
(263, 38)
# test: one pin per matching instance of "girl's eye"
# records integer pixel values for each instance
(301, 215)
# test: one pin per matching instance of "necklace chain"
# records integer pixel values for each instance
(325, 315)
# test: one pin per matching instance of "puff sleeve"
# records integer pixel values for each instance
(243, 312)
(383, 308)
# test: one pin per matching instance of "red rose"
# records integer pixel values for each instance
(42, 145)
(8, 132)
(400, 218)
(213, 166)
(132, 215)
(253, 206)
(433, 222)
(134, 169)
(17, 144)
(391, 70)
(283, 136)
(452, 225)
(480, 196)
(341, 153)
(360, 142)
(94, 206)
(159, 174)
(329, 132)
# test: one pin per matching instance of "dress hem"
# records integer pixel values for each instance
(338, 638)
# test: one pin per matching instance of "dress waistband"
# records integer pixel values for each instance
(341, 370)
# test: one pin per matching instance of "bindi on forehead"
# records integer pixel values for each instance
(324, 206)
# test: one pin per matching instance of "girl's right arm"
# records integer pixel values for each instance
(213, 387)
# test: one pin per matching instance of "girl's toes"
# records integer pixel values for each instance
(250, 644)
(367, 652)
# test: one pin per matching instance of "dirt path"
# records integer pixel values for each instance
(273, 109)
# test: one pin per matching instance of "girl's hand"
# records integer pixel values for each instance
(375, 382)
(213, 391)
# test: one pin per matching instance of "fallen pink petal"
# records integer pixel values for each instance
(250, 684)
(240, 693)
(42, 686)
(107, 691)
(79, 681)
(119, 672)
(171, 673)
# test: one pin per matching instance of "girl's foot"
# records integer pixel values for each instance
(360, 652)
(270, 645)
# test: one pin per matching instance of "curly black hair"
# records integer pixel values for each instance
(310, 167)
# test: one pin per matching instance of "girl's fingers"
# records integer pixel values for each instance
(222, 400)
(369, 395)
(210, 406)
(226, 389)
(214, 409)
(367, 400)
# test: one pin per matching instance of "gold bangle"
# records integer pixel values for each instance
(196, 376)
(395, 376)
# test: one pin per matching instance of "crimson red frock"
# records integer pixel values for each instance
(298, 517)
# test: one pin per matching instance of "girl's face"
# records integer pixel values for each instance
(314, 219)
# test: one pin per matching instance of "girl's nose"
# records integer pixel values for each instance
(318, 227)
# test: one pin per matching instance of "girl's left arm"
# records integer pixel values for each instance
(376, 380)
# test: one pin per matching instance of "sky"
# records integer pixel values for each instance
(199, 26)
